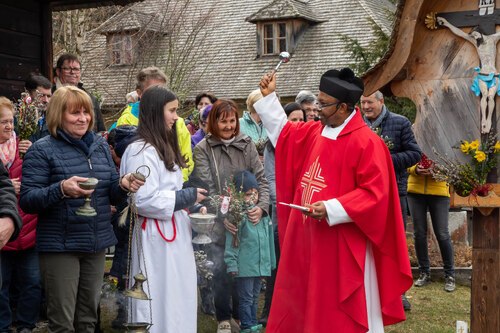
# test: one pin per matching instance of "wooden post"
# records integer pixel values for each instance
(485, 291)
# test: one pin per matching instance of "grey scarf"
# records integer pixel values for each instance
(375, 124)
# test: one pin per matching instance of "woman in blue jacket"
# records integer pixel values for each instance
(72, 247)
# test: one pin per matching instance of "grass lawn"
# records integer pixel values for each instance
(433, 311)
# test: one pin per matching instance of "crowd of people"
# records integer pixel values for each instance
(336, 260)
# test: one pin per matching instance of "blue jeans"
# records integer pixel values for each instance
(248, 292)
(438, 207)
(21, 270)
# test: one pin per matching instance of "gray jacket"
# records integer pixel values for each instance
(239, 155)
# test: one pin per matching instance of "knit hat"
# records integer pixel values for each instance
(245, 180)
(343, 85)
(123, 137)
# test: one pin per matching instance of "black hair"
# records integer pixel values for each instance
(208, 95)
(293, 106)
(66, 57)
(36, 80)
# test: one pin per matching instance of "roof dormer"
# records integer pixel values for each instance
(280, 24)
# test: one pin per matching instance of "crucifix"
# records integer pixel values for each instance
(484, 38)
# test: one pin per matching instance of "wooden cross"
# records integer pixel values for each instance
(487, 17)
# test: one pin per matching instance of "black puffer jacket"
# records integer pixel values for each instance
(59, 229)
(8, 201)
(405, 151)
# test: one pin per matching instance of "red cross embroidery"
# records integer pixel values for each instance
(312, 182)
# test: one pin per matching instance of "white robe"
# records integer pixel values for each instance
(170, 266)
(274, 119)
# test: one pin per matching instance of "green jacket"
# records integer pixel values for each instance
(419, 184)
(248, 126)
(255, 254)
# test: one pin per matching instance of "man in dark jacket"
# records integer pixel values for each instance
(10, 221)
(68, 73)
(397, 132)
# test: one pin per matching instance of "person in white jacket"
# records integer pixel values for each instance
(162, 231)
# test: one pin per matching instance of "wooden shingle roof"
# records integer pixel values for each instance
(284, 9)
(128, 20)
(227, 59)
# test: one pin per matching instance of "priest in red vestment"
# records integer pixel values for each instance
(345, 265)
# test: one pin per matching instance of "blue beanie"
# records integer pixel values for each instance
(123, 137)
(244, 181)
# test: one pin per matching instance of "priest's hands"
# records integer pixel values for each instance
(268, 83)
(319, 210)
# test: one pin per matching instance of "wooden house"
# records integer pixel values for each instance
(237, 42)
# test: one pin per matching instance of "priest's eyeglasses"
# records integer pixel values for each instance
(323, 106)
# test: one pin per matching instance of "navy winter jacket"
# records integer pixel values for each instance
(51, 160)
(405, 151)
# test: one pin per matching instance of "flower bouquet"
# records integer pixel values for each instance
(261, 145)
(204, 267)
(27, 116)
(388, 142)
(469, 178)
(232, 206)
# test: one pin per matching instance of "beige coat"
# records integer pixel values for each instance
(239, 155)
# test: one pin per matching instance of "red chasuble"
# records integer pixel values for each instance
(320, 283)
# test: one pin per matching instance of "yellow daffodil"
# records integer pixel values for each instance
(474, 145)
(480, 156)
(497, 147)
(465, 146)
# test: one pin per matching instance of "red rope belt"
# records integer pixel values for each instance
(143, 226)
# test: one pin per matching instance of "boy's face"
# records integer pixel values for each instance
(252, 196)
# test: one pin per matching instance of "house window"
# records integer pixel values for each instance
(120, 49)
(274, 38)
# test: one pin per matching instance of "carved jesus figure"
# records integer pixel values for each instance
(486, 81)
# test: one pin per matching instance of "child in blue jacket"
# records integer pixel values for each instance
(254, 256)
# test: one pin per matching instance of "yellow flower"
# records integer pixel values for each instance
(497, 147)
(465, 146)
(474, 144)
(480, 156)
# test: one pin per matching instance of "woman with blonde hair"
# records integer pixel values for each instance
(71, 246)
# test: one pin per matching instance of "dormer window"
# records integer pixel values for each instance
(274, 38)
(122, 33)
(281, 24)
(120, 50)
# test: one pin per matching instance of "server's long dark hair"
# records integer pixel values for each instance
(152, 128)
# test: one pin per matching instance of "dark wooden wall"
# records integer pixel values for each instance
(22, 43)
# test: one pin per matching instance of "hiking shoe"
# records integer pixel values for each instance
(423, 279)
(253, 329)
(224, 327)
(449, 284)
(406, 303)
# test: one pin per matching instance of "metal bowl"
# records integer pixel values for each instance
(89, 184)
(202, 224)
